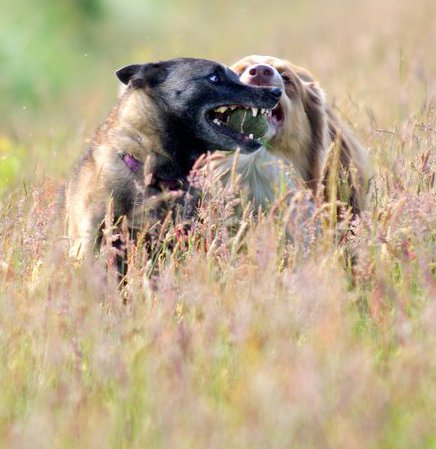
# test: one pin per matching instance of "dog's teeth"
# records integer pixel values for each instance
(233, 107)
(255, 111)
(251, 136)
(217, 122)
(262, 111)
(221, 109)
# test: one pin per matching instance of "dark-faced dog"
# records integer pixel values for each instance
(164, 120)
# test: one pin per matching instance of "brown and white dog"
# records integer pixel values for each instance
(304, 135)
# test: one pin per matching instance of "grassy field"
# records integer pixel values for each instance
(252, 342)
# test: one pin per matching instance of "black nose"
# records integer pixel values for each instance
(277, 92)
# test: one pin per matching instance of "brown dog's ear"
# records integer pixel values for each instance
(142, 75)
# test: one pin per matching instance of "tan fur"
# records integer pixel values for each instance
(304, 141)
(130, 127)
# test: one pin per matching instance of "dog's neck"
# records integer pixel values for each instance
(160, 178)
(306, 151)
(133, 127)
(141, 133)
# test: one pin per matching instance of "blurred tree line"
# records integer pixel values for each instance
(50, 46)
(42, 43)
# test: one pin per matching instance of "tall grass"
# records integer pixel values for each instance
(238, 338)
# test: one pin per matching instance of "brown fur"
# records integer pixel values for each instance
(306, 139)
(101, 174)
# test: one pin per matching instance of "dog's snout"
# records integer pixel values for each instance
(277, 92)
(260, 75)
(260, 70)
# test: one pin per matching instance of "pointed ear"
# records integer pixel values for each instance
(142, 75)
(126, 73)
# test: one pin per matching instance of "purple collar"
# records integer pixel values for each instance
(135, 165)
(132, 163)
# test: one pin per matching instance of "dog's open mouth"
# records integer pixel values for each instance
(277, 116)
(246, 128)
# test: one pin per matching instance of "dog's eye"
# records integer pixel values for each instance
(214, 78)
(286, 79)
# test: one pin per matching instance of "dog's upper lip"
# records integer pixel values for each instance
(241, 105)
(254, 109)
(265, 103)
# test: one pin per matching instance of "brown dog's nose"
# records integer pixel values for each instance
(260, 74)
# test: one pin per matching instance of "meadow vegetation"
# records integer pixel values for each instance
(240, 338)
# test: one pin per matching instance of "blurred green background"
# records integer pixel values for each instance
(57, 60)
